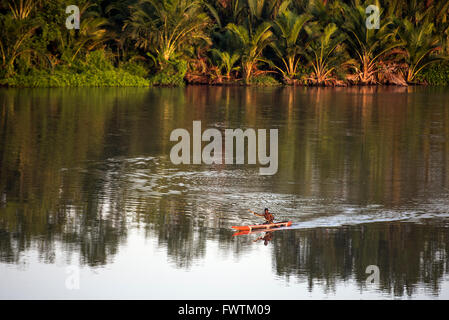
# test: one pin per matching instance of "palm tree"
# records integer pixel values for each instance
(322, 10)
(226, 62)
(15, 41)
(366, 45)
(252, 44)
(438, 14)
(227, 11)
(117, 13)
(262, 10)
(325, 54)
(166, 27)
(420, 47)
(21, 9)
(287, 27)
(91, 35)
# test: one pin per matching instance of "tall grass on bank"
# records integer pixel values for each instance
(96, 71)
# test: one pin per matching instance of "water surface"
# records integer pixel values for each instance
(86, 181)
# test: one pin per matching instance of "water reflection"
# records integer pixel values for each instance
(266, 238)
(408, 255)
(362, 173)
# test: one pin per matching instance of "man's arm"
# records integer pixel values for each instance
(257, 214)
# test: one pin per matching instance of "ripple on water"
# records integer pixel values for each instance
(228, 192)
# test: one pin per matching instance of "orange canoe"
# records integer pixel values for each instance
(263, 226)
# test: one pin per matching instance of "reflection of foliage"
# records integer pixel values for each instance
(66, 176)
(36, 210)
(399, 250)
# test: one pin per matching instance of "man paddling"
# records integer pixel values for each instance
(267, 215)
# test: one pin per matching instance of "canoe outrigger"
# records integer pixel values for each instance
(268, 225)
(243, 230)
(263, 226)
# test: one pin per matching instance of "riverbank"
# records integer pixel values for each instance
(104, 74)
(314, 43)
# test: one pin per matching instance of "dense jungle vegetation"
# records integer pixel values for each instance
(260, 42)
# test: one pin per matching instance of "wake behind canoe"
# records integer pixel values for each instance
(263, 226)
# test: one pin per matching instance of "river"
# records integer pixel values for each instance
(91, 206)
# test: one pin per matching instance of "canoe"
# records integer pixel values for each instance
(243, 233)
(263, 226)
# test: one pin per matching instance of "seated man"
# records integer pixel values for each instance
(267, 215)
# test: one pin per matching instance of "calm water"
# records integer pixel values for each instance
(86, 182)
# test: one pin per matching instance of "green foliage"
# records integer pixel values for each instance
(96, 71)
(316, 41)
(367, 46)
(252, 44)
(112, 78)
(164, 28)
(436, 74)
(15, 41)
(419, 44)
(264, 80)
(225, 61)
(288, 47)
(172, 75)
(137, 69)
(65, 78)
(325, 55)
(97, 60)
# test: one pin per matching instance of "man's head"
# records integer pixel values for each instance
(266, 210)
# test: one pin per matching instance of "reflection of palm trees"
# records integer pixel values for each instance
(404, 258)
(45, 201)
(71, 174)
